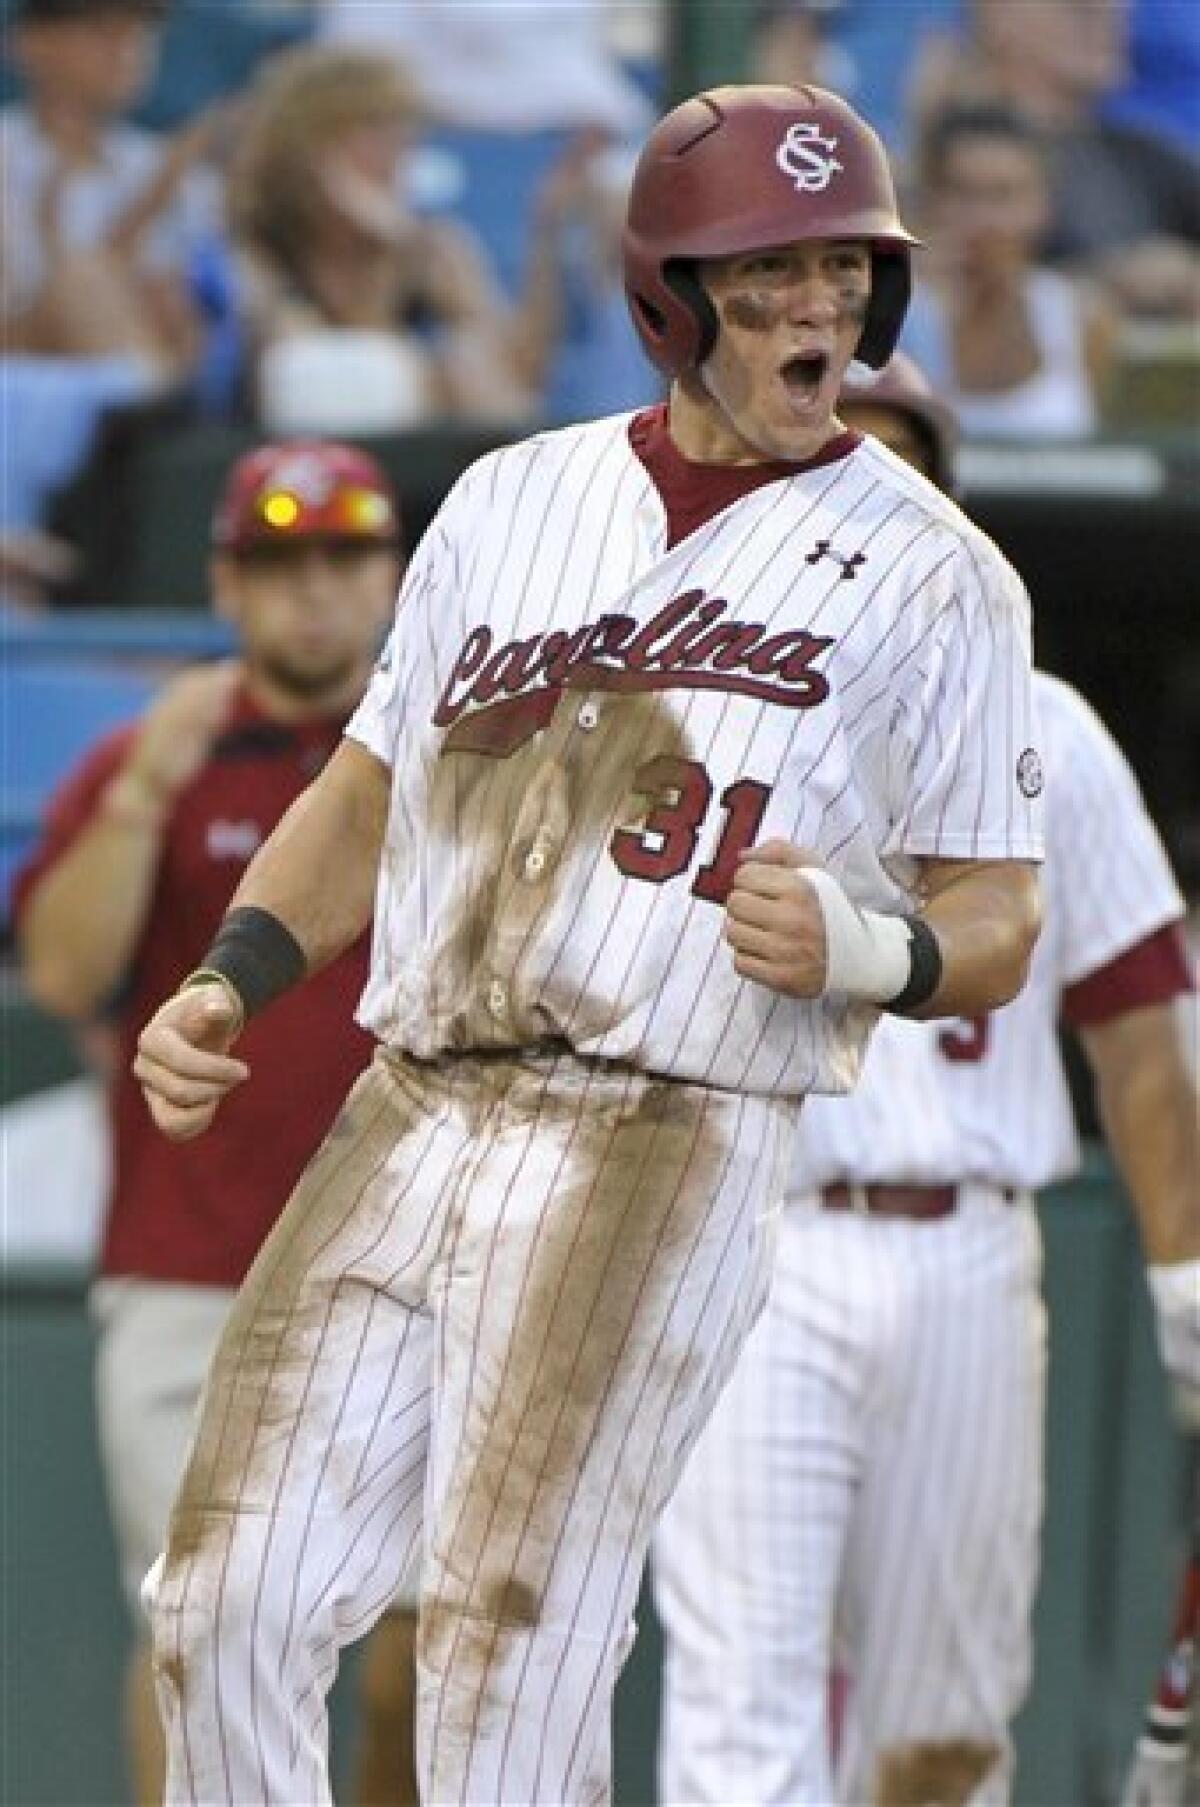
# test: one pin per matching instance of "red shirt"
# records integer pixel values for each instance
(198, 1211)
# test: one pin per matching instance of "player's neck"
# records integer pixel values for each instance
(279, 702)
(704, 434)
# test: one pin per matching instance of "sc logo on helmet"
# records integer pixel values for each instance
(806, 157)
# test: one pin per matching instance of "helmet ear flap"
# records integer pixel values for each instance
(891, 287)
(683, 279)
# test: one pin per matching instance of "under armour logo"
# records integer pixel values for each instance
(806, 157)
(826, 549)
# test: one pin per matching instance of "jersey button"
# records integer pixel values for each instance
(588, 716)
(497, 997)
(540, 854)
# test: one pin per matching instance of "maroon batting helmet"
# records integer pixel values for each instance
(902, 386)
(743, 169)
(305, 489)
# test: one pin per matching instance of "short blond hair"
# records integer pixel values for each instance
(302, 99)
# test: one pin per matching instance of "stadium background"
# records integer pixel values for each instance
(1105, 535)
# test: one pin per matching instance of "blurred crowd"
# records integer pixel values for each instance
(316, 216)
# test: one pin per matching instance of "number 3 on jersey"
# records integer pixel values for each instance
(679, 792)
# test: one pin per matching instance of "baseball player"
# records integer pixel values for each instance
(143, 848)
(867, 1496)
(701, 737)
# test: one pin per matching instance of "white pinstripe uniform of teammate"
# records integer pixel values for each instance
(502, 1299)
(868, 1491)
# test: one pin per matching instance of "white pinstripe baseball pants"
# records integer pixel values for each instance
(501, 1299)
(870, 1487)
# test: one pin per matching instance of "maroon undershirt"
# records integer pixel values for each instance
(693, 493)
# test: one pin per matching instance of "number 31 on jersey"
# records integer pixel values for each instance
(679, 794)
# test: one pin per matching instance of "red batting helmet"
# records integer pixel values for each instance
(305, 489)
(902, 386)
(743, 169)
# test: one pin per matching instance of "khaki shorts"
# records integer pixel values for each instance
(156, 1341)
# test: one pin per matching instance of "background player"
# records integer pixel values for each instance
(143, 848)
(874, 1469)
(643, 671)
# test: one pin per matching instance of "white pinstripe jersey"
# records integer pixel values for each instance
(988, 1099)
(585, 727)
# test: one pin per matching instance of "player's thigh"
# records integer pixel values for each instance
(615, 1242)
(327, 1346)
(748, 1554)
(942, 1563)
(766, 1496)
(155, 1343)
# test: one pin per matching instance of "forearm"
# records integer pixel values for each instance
(79, 933)
(127, 232)
(480, 365)
(1145, 1066)
(986, 918)
(316, 873)
(793, 927)
(537, 323)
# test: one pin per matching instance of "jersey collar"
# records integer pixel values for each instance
(693, 493)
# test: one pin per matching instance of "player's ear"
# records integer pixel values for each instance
(223, 586)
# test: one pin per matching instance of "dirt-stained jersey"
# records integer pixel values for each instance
(838, 658)
(995, 1099)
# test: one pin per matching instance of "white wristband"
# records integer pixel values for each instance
(867, 955)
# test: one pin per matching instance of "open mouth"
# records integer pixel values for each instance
(804, 374)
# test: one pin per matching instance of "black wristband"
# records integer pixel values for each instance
(257, 955)
(924, 972)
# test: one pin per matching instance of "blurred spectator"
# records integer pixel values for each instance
(213, 48)
(358, 314)
(796, 42)
(1161, 92)
(59, 403)
(864, 49)
(790, 42)
(101, 221)
(32, 564)
(580, 351)
(100, 217)
(515, 67)
(1126, 204)
(1016, 349)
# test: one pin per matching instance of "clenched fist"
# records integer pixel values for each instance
(774, 923)
(183, 1060)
